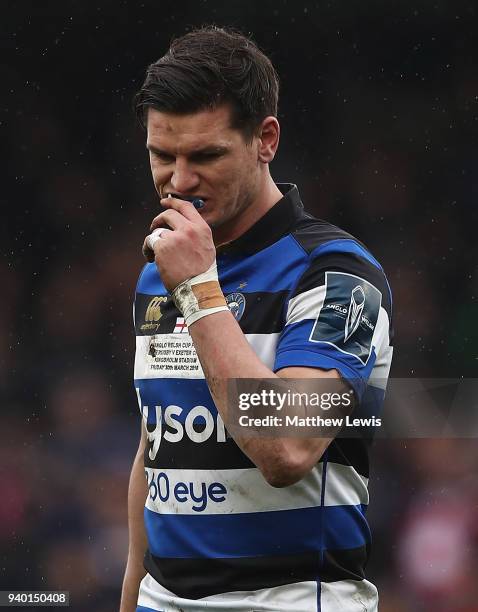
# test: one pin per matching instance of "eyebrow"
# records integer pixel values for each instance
(212, 149)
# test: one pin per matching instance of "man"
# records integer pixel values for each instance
(243, 523)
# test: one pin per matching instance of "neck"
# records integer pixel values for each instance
(267, 196)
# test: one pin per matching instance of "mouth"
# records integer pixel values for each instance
(198, 201)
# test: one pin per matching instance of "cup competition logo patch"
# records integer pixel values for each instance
(349, 315)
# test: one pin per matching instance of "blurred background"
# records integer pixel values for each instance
(379, 115)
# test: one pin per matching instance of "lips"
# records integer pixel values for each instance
(188, 198)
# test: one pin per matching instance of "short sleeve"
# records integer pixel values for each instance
(338, 317)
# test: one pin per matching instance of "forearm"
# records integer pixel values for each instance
(135, 571)
(225, 354)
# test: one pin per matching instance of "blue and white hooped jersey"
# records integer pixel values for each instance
(305, 293)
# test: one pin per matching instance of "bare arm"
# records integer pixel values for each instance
(283, 461)
(137, 492)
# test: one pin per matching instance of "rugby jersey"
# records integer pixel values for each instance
(305, 293)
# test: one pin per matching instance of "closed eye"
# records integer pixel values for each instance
(205, 156)
(164, 158)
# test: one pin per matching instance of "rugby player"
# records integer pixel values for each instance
(243, 283)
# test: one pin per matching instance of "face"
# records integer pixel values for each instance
(200, 155)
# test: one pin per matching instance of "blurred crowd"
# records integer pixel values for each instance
(380, 123)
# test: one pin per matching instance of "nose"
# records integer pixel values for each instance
(184, 180)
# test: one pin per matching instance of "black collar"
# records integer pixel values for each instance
(276, 223)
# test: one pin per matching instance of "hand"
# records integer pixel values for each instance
(185, 251)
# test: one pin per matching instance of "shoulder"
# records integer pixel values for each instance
(334, 254)
(319, 237)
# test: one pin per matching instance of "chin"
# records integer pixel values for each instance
(207, 217)
(212, 219)
(219, 218)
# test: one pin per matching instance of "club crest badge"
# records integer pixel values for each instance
(236, 303)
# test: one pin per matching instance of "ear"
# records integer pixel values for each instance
(269, 133)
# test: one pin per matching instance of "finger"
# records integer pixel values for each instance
(151, 240)
(148, 253)
(171, 218)
(158, 234)
(184, 207)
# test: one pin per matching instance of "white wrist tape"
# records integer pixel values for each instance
(200, 296)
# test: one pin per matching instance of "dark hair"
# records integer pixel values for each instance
(208, 67)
